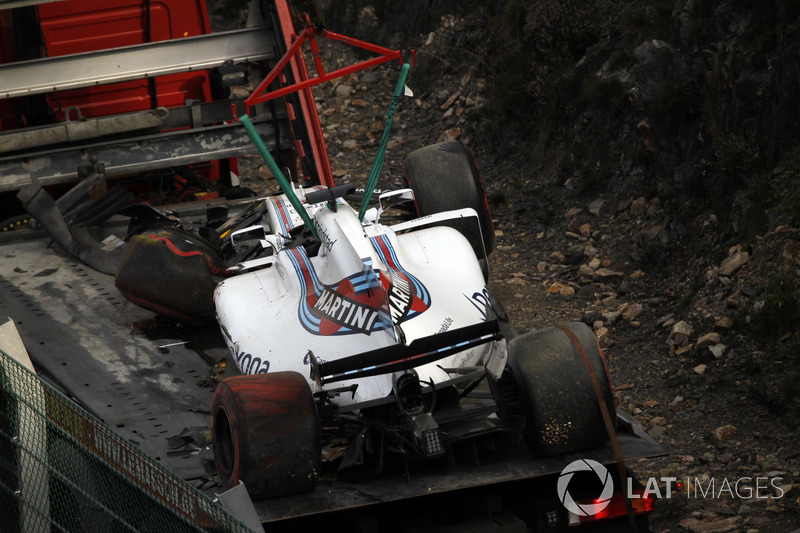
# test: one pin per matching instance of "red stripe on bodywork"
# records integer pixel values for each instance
(174, 248)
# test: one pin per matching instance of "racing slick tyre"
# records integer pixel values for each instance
(265, 432)
(173, 272)
(444, 177)
(555, 391)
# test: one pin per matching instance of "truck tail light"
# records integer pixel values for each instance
(641, 501)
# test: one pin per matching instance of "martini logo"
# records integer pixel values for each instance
(407, 296)
(400, 296)
(357, 304)
(345, 311)
(585, 509)
(371, 300)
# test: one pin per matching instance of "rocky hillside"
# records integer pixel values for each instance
(641, 160)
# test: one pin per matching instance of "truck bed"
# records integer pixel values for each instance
(118, 361)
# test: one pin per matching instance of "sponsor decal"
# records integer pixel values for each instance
(249, 364)
(354, 305)
(400, 296)
(481, 302)
(345, 311)
(408, 297)
(325, 237)
(370, 300)
(285, 212)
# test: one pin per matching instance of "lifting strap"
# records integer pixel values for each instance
(612, 434)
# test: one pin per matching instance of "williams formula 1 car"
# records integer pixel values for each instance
(358, 338)
(365, 334)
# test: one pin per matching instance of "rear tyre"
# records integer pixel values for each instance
(444, 177)
(555, 391)
(265, 431)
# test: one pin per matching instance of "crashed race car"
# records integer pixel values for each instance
(365, 334)
(370, 338)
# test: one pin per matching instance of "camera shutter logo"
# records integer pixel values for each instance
(586, 509)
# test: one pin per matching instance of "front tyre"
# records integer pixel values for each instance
(555, 391)
(265, 432)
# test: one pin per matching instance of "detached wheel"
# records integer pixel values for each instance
(265, 432)
(555, 391)
(173, 272)
(444, 177)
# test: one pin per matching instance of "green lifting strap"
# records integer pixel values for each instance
(377, 166)
(279, 177)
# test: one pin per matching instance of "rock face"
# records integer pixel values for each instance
(693, 102)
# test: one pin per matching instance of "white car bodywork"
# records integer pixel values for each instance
(367, 286)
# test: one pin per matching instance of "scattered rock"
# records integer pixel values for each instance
(632, 311)
(350, 145)
(717, 350)
(586, 271)
(683, 349)
(733, 263)
(724, 433)
(638, 206)
(371, 76)
(450, 135)
(595, 205)
(735, 300)
(708, 339)
(715, 526)
(561, 289)
(264, 173)
(592, 291)
(573, 225)
(680, 334)
(343, 90)
(566, 291)
(605, 273)
(611, 316)
(450, 101)
(724, 323)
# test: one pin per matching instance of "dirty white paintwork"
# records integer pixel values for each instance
(421, 282)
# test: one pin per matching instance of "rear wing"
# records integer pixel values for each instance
(404, 356)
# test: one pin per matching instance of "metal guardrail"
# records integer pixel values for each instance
(63, 470)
